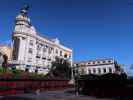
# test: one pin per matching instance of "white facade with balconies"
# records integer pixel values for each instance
(98, 66)
(32, 51)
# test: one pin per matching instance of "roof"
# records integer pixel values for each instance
(52, 40)
(99, 59)
(44, 36)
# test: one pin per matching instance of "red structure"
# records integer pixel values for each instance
(28, 85)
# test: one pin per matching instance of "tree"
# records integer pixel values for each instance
(60, 68)
(5, 63)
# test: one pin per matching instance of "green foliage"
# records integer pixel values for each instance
(7, 70)
(17, 74)
(35, 75)
(15, 71)
(61, 68)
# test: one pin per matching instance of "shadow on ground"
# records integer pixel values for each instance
(124, 98)
(15, 98)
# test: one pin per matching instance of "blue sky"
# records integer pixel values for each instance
(92, 28)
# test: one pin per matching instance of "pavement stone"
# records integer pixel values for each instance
(50, 95)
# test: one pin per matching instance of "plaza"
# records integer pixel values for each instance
(52, 95)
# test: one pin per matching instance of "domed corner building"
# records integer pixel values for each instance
(31, 50)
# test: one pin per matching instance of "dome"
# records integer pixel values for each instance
(19, 17)
(22, 18)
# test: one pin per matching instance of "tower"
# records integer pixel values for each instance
(23, 40)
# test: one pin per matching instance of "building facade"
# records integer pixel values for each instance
(99, 66)
(5, 50)
(32, 51)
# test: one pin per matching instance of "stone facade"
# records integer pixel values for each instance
(99, 66)
(32, 51)
(5, 50)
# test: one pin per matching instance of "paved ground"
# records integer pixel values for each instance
(53, 95)
(50, 95)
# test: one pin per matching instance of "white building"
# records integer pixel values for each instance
(99, 66)
(32, 51)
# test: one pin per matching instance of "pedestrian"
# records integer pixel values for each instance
(38, 92)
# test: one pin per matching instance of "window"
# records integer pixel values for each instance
(94, 70)
(29, 59)
(16, 48)
(49, 59)
(109, 61)
(104, 70)
(56, 51)
(89, 63)
(46, 46)
(38, 56)
(93, 62)
(23, 38)
(38, 47)
(98, 62)
(43, 58)
(89, 71)
(50, 50)
(110, 70)
(65, 56)
(60, 53)
(99, 70)
(82, 71)
(30, 50)
(31, 42)
(104, 62)
(44, 49)
(69, 56)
